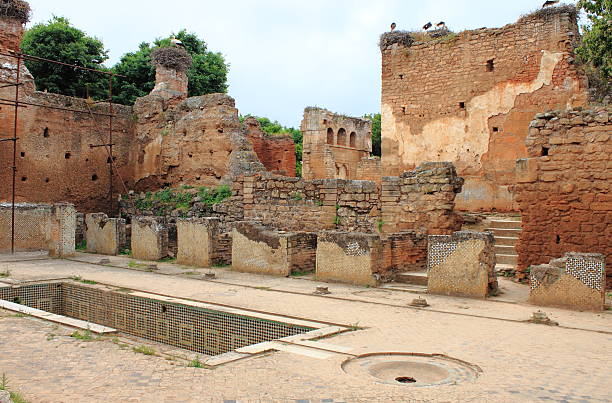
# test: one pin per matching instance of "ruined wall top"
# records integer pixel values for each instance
(320, 126)
(13, 16)
(405, 39)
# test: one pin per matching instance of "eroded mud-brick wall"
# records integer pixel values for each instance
(275, 151)
(564, 187)
(468, 98)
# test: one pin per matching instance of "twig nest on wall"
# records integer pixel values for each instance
(403, 38)
(16, 9)
(171, 57)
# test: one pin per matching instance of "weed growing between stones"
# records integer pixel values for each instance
(144, 350)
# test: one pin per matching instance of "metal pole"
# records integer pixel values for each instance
(15, 154)
(110, 139)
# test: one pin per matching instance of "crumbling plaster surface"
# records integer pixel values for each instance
(261, 256)
(351, 263)
(471, 133)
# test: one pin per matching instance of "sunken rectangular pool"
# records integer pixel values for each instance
(196, 326)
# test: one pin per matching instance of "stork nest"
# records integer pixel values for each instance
(403, 38)
(16, 9)
(171, 57)
(549, 11)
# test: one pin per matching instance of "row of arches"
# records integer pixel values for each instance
(340, 138)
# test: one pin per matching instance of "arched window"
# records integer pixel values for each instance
(341, 137)
(330, 136)
(353, 140)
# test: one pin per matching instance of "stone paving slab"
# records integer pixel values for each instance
(521, 362)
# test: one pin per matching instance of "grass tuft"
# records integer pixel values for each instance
(144, 350)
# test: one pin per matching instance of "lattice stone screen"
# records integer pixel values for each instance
(576, 281)
(39, 227)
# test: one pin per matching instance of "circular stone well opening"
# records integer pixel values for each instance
(411, 369)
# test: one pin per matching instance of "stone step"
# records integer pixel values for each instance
(505, 232)
(501, 267)
(506, 240)
(505, 224)
(412, 277)
(506, 259)
(504, 250)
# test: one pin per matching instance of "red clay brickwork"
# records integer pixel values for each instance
(468, 98)
(564, 187)
(275, 151)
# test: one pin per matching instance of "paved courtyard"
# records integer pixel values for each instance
(520, 362)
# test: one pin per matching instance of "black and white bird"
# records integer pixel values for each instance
(441, 25)
(393, 26)
(176, 42)
(549, 3)
(427, 26)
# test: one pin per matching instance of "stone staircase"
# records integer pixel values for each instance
(506, 231)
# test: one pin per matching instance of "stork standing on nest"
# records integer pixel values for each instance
(441, 25)
(393, 27)
(176, 42)
(427, 26)
(550, 3)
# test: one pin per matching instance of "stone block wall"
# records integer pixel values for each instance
(576, 281)
(39, 227)
(333, 144)
(563, 188)
(475, 106)
(63, 230)
(352, 258)
(369, 169)
(149, 238)
(106, 236)
(462, 264)
(257, 249)
(197, 241)
(422, 200)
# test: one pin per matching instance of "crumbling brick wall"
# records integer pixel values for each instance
(275, 151)
(563, 188)
(333, 144)
(468, 98)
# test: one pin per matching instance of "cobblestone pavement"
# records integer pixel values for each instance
(521, 362)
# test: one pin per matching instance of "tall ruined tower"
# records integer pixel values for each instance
(469, 98)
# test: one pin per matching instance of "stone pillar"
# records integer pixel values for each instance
(149, 238)
(104, 235)
(256, 249)
(63, 230)
(171, 65)
(577, 281)
(462, 264)
(197, 241)
(349, 257)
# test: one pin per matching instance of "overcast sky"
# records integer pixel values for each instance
(284, 55)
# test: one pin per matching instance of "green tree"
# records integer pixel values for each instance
(376, 133)
(208, 73)
(596, 49)
(58, 40)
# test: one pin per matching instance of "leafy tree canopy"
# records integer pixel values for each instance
(207, 74)
(376, 132)
(596, 48)
(58, 40)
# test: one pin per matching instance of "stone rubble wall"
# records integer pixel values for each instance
(563, 188)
